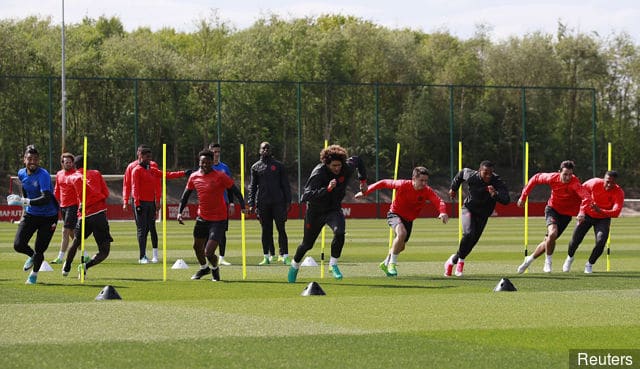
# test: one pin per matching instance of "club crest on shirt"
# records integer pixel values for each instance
(273, 168)
(341, 179)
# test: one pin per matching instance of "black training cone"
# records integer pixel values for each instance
(505, 285)
(108, 293)
(313, 289)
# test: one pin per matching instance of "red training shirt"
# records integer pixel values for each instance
(64, 191)
(566, 198)
(408, 201)
(610, 202)
(144, 183)
(126, 180)
(97, 192)
(210, 188)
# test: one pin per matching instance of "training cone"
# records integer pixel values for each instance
(180, 264)
(505, 285)
(45, 267)
(309, 262)
(313, 289)
(108, 293)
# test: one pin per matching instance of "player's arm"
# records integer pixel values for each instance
(381, 184)
(183, 203)
(234, 191)
(44, 198)
(616, 208)
(284, 184)
(253, 188)
(361, 169)
(531, 184)
(584, 195)
(456, 182)
(501, 192)
(56, 191)
(439, 203)
(126, 187)
(316, 186)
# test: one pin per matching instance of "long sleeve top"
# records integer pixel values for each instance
(64, 191)
(210, 188)
(566, 198)
(126, 180)
(479, 201)
(408, 201)
(37, 187)
(609, 202)
(97, 192)
(316, 193)
(144, 182)
(269, 183)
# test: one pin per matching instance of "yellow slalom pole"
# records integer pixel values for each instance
(459, 193)
(526, 203)
(393, 194)
(164, 212)
(326, 143)
(243, 239)
(84, 208)
(609, 237)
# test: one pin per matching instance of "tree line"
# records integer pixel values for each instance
(338, 78)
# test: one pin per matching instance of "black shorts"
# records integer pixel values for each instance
(211, 230)
(394, 219)
(553, 217)
(69, 216)
(96, 224)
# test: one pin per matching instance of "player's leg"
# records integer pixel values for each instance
(280, 218)
(579, 232)
(265, 216)
(601, 229)
(336, 222)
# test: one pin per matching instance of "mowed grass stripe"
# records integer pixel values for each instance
(416, 310)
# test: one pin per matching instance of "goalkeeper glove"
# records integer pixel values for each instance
(14, 200)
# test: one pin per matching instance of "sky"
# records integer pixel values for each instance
(458, 17)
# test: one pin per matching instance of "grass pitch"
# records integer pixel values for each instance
(418, 320)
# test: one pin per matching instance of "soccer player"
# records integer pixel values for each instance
(323, 193)
(486, 188)
(146, 194)
(40, 215)
(411, 198)
(608, 199)
(96, 222)
(126, 195)
(270, 199)
(66, 196)
(211, 223)
(567, 197)
(220, 166)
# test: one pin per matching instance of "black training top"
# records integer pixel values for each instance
(479, 201)
(315, 190)
(269, 183)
